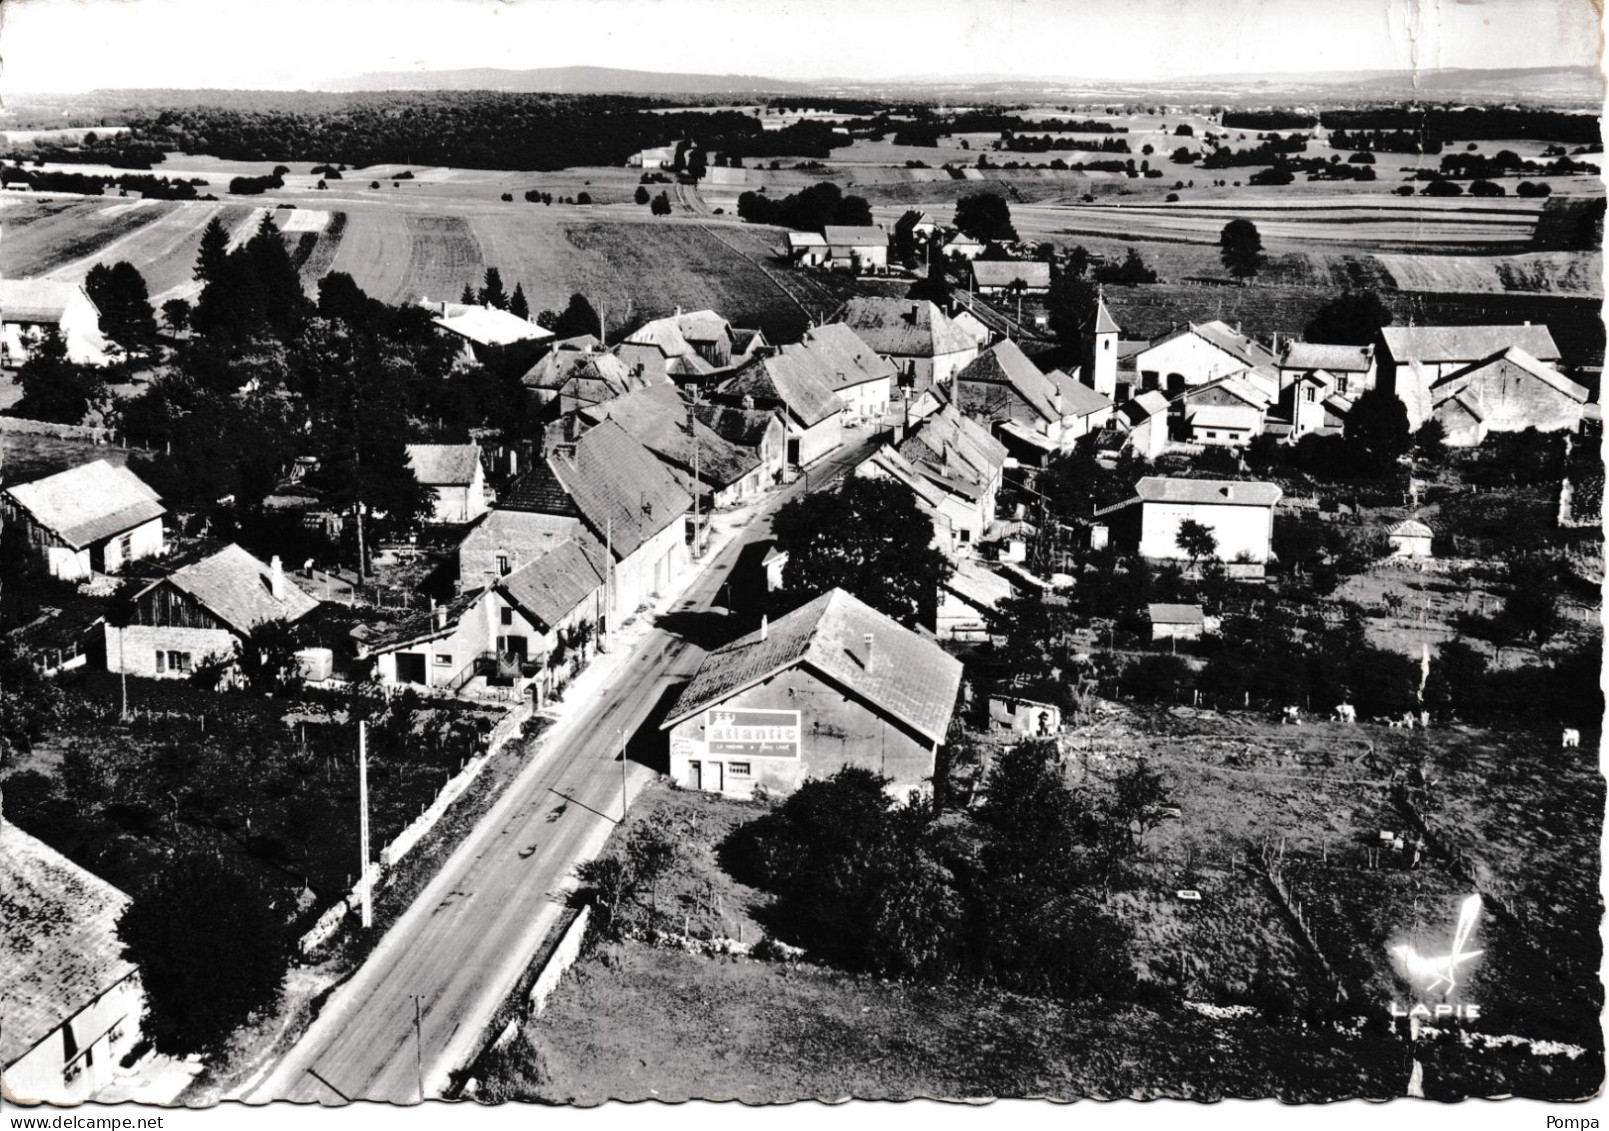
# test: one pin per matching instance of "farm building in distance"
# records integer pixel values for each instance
(201, 613)
(494, 338)
(1508, 392)
(1200, 352)
(454, 475)
(858, 248)
(833, 683)
(32, 308)
(73, 1003)
(1001, 276)
(1239, 514)
(1175, 622)
(1410, 539)
(94, 518)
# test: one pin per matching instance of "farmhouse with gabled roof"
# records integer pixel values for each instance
(93, 518)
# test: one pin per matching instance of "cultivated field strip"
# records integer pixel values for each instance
(1546, 272)
(443, 256)
(65, 238)
(375, 250)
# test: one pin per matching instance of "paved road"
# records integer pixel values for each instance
(464, 943)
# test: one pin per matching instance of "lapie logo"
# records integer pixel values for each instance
(1440, 973)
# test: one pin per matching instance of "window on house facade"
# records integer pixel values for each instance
(1107, 344)
(171, 661)
(444, 659)
(507, 616)
(1310, 394)
(502, 565)
(738, 769)
(125, 547)
(1340, 386)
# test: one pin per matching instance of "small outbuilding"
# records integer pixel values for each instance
(1176, 622)
(1411, 539)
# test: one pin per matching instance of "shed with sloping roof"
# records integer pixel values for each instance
(93, 518)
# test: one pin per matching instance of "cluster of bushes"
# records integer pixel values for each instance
(252, 186)
(42, 180)
(1268, 120)
(1008, 896)
(1384, 141)
(807, 210)
(1273, 149)
(1027, 143)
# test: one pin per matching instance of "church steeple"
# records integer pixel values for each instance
(1100, 349)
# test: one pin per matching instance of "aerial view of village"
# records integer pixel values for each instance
(1072, 574)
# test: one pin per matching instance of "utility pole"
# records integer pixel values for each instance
(692, 430)
(622, 735)
(363, 822)
(418, 1050)
(609, 573)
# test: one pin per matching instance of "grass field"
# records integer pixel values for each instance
(1542, 272)
(26, 458)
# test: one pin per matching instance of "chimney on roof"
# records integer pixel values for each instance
(1237, 325)
(276, 578)
(678, 312)
(870, 640)
(441, 616)
(765, 626)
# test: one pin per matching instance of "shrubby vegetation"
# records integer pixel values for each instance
(808, 210)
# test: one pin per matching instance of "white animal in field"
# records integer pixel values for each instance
(1346, 713)
(1293, 715)
(1572, 737)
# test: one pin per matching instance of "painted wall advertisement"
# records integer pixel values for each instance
(739, 733)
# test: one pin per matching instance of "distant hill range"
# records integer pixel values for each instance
(569, 80)
(1541, 84)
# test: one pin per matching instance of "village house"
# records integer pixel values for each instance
(1413, 359)
(1227, 412)
(950, 512)
(494, 338)
(812, 412)
(1035, 414)
(1001, 276)
(603, 484)
(1142, 424)
(1508, 392)
(967, 598)
(807, 249)
(1410, 539)
(863, 379)
(720, 472)
(962, 246)
(926, 347)
(1311, 403)
(1175, 622)
(1200, 352)
(758, 430)
(73, 1003)
(514, 632)
(1352, 368)
(654, 157)
(202, 612)
(834, 683)
(454, 475)
(958, 456)
(916, 225)
(690, 347)
(94, 518)
(32, 309)
(1240, 516)
(578, 372)
(970, 325)
(859, 248)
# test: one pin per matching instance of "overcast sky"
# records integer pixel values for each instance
(66, 45)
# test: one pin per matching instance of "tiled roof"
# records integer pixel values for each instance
(1005, 364)
(237, 589)
(961, 239)
(1337, 359)
(37, 300)
(1161, 613)
(444, 465)
(1164, 489)
(88, 503)
(703, 326)
(745, 426)
(839, 235)
(657, 419)
(838, 355)
(1143, 407)
(1512, 358)
(1232, 341)
(806, 239)
(559, 367)
(786, 381)
(521, 534)
(912, 220)
(1411, 528)
(1003, 272)
(59, 948)
(1222, 416)
(1466, 343)
(424, 624)
(955, 451)
(610, 481)
(488, 326)
(887, 461)
(909, 677)
(1105, 324)
(549, 588)
(978, 585)
(902, 327)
